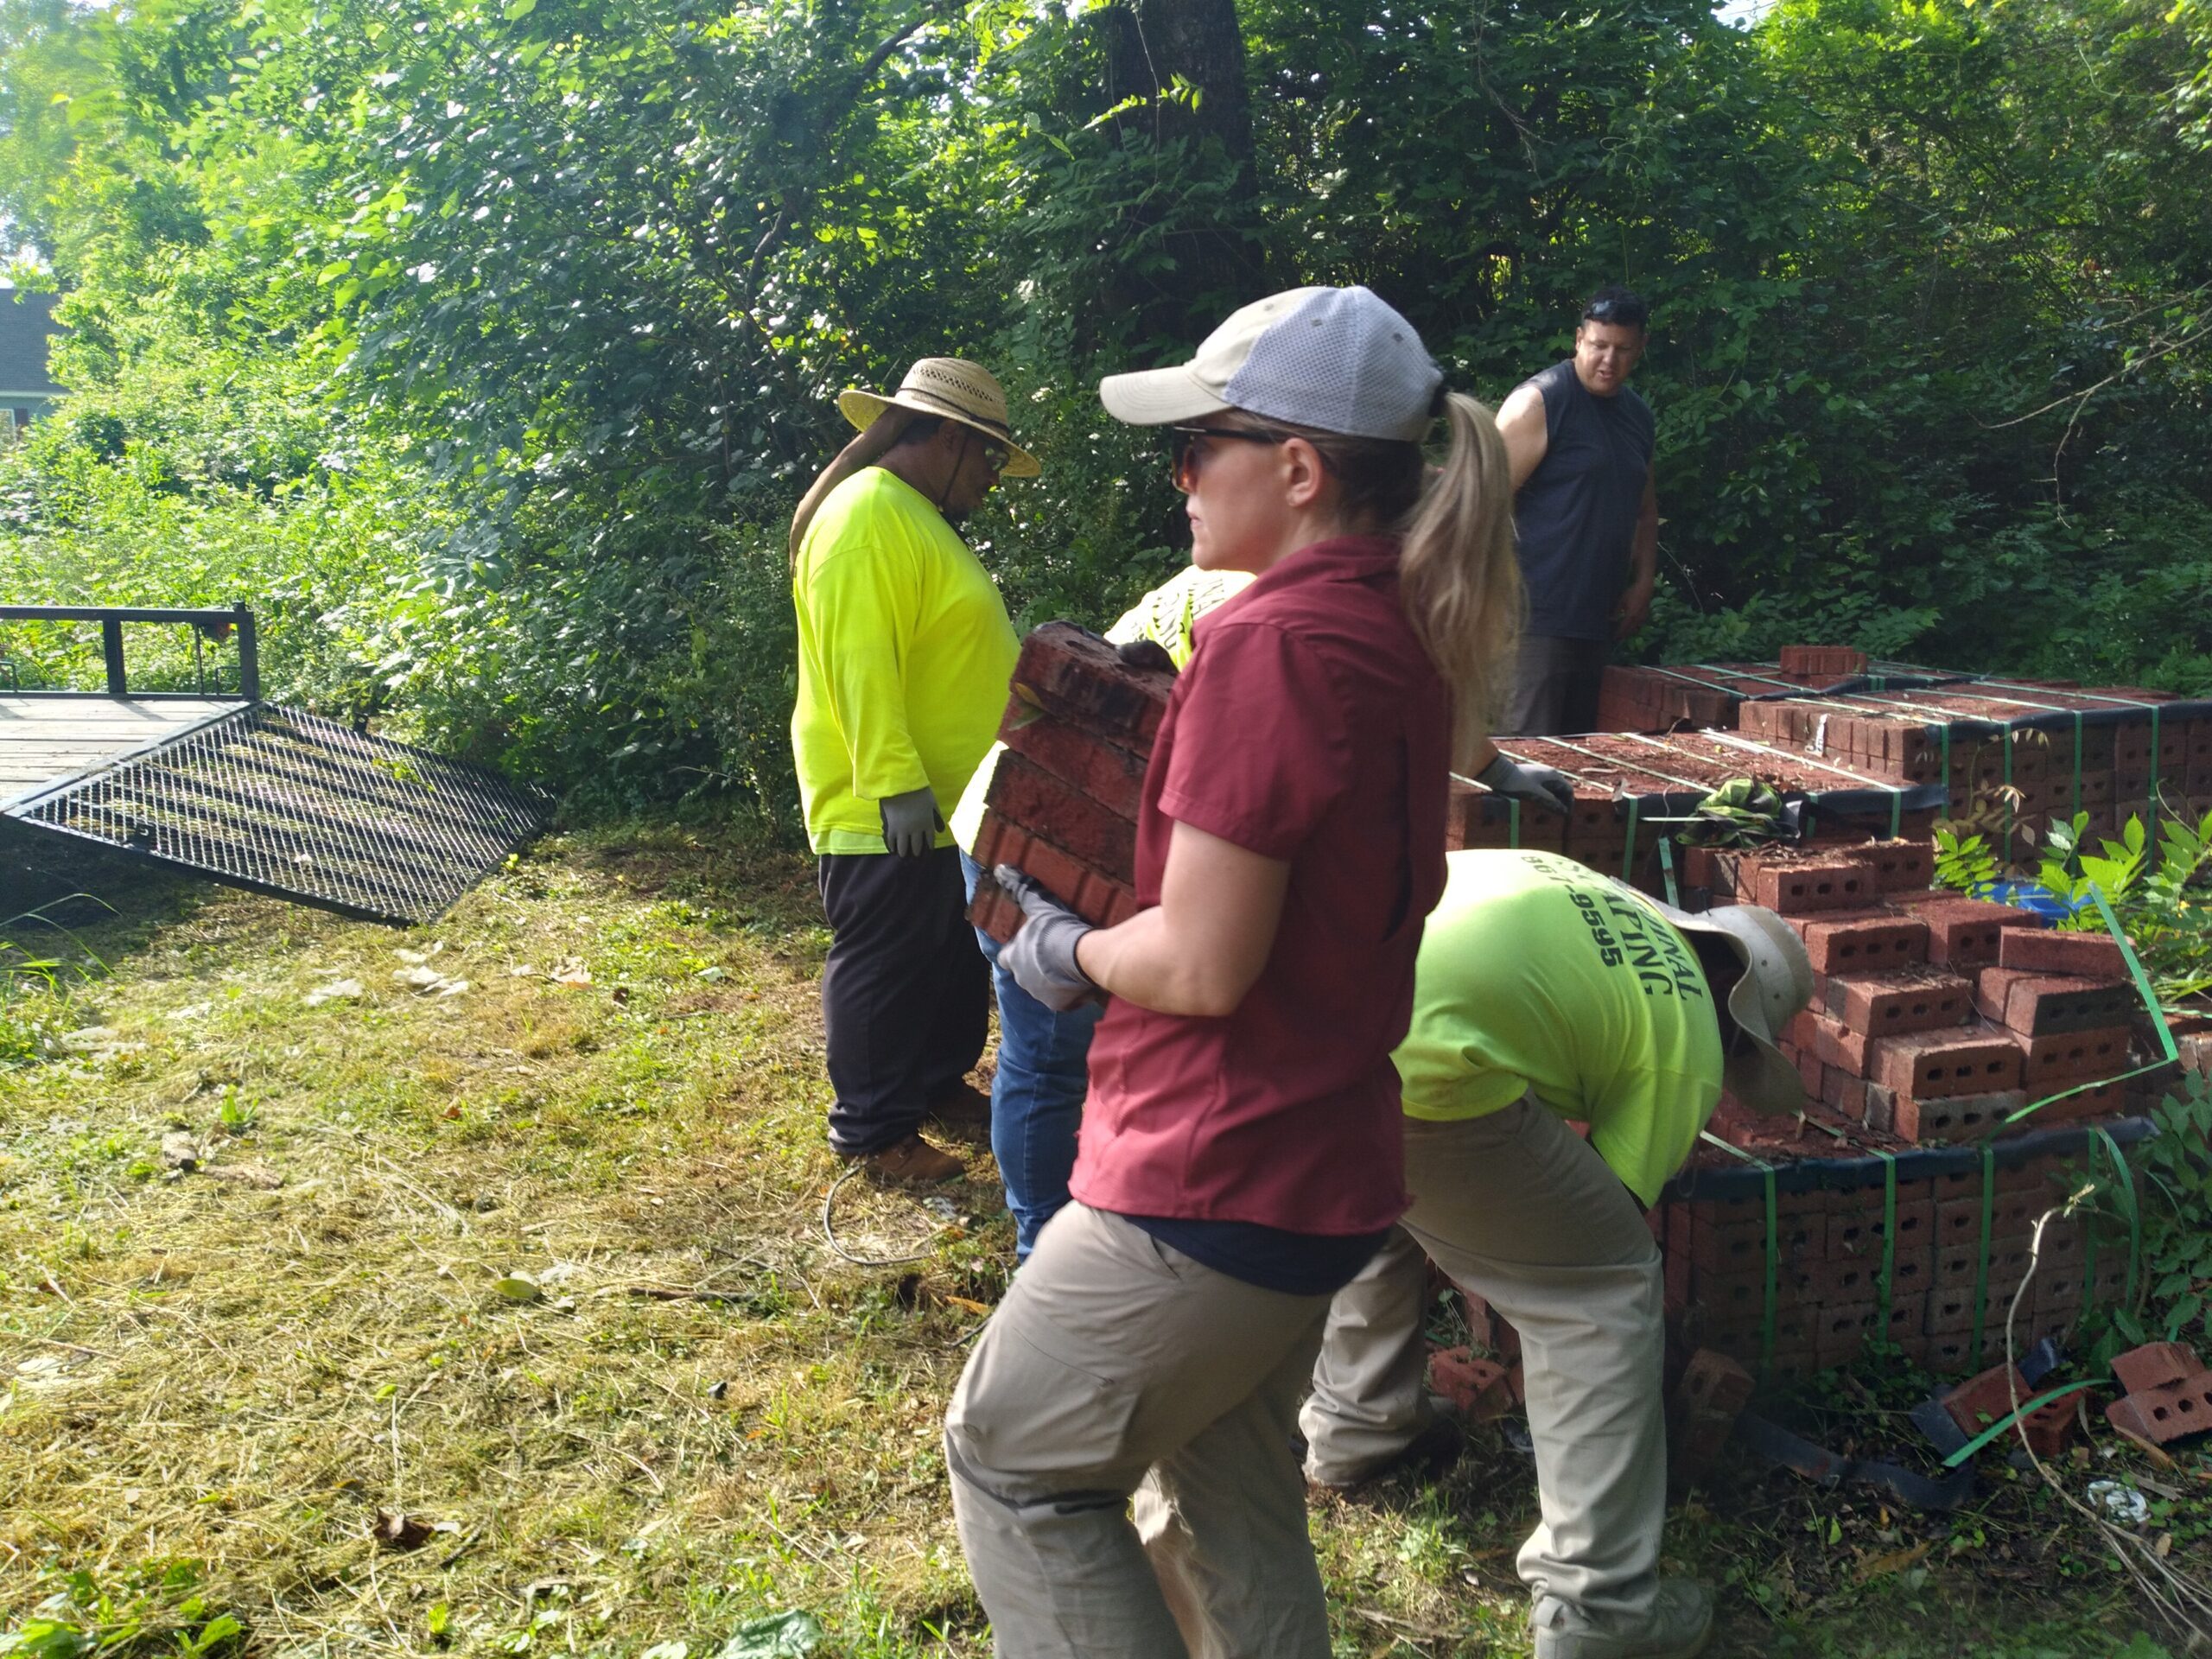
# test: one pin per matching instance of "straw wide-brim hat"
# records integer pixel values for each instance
(951, 387)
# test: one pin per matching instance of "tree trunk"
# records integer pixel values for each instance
(1219, 261)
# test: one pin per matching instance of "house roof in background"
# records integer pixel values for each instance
(26, 326)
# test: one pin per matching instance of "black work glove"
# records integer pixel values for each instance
(1042, 956)
(909, 823)
(1545, 786)
(1148, 654)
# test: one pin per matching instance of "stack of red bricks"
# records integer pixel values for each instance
(1982, 740)
(2169, 1394)
(1663, 699)
(1828, 1245)
(1661, 777)
(1063, 803)
(1934, 1017)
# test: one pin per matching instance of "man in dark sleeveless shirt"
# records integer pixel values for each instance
(1580, 445)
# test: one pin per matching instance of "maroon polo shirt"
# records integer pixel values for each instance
(1310, 726)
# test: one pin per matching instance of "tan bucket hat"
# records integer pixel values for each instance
(956, 390)
(1776, 982)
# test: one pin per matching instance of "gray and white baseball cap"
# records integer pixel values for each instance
(1338, 360)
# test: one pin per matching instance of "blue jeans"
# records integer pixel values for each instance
(1037, 1096)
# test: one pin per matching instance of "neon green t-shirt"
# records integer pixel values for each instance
(904, 654)
(1166, 616)
(1538, 974)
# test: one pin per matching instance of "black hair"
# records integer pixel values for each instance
(920, 428)
(1615, 304)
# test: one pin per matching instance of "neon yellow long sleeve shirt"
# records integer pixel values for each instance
(905, 653)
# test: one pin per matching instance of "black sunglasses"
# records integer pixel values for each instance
(1627, 313)
(1186, 440)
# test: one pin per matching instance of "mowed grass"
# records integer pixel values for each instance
(501, 1318)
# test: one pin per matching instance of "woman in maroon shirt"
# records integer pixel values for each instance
(1240, 1152)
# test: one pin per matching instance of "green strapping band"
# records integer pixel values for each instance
(2011, 1418)
(1513, 821)
(1666, 870)
(2134, 1214)
(1773, 1249)
(1628, 846)
(1981, 1267)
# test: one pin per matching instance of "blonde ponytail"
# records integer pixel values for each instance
(1458, 574)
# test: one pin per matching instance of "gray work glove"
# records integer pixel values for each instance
(1546, 786)
(1148, 654)
(909, 823)
(1042, 956)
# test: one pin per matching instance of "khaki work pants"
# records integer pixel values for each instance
(1518, 1209)
(1117, 1367)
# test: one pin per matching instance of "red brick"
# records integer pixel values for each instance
(1831, 1042)
(2037, 1005)
(1980, 1400)
(1965, 932)
(1931, 1064)
(1702, 1411)
(1883, 1005)
(1866, 940)
(1839, 1332)
(1906, 865)
(2155, 1365)
(2048, 1063)
(1845, 1091)
(1952, 1117)
(993, 911)
(2050, 1426)
(1093, 897)
(2169, 1413)
(1067, 672)
(1722, 1246)
(1026, 794)
(1476, 1388)
(1822, 662)
(1800, 886)
(1107, 773)
(2091, 955)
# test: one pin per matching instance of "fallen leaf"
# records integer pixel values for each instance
(518, 1288)
(570, 970)
(421, 978)
(1895, 1561)
(415, 957)
(180, 1151)
(338, 990)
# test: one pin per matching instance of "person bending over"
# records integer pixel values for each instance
(1547, 992)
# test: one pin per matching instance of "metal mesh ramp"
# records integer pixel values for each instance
(302, 808)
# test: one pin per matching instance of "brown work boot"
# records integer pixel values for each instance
(961, 1105)
(913, 1159)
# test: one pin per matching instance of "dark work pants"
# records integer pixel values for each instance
(1555, 686)
(905, 996)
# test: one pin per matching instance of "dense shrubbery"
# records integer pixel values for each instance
(485, 349)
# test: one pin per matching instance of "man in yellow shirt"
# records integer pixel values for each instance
(1546, 992)
(904, 652)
